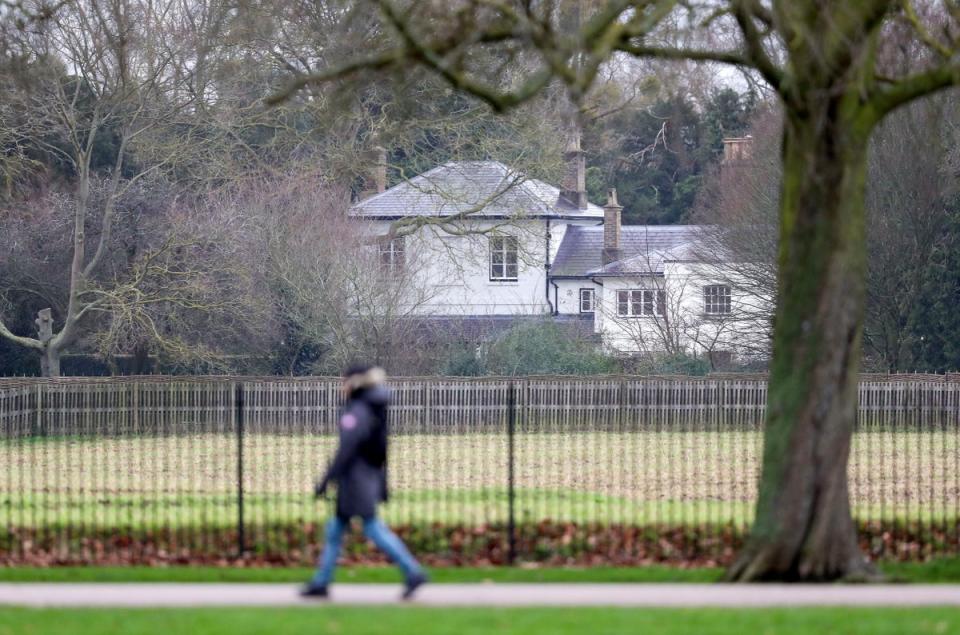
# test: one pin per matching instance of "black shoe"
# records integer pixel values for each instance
(413, 583)
(315, 591)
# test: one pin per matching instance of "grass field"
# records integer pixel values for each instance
(335, 620)
(945, 570)
(641, 477)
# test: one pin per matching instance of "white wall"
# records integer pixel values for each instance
(456, 269)
(686, 327)
(568, 295)
(453, 271)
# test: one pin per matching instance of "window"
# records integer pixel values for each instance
(586, 300)
(393, 254)
(716, 299)
(641, 303)
(503, 258)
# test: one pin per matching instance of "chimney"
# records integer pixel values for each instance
(573, 189)
(376, 180)
(611, 228)
(737, 158)
(737, 150)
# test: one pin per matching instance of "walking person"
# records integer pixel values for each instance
(359, 470)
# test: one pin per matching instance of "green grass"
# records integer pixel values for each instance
(361, 575)
(412, 507)
(945, 570)
(335, 620)
(417, 507)
(941, 570)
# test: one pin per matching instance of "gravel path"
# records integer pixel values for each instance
(677, 595)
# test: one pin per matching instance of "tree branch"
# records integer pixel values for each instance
(29, 342)
(910, 13)
(753, 40)
(110, 206)
(890, 97)
(499, 101)
(694, 55)
(371, 62)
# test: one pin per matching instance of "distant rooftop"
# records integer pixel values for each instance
(643, 249)
(478, 188)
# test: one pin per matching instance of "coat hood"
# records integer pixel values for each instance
(367, 377)
(378, 395)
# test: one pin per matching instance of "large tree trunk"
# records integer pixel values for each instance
(803, 528)
(53, 362)
(50, 362)
(49, 352)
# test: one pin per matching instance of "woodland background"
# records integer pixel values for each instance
(213, 225)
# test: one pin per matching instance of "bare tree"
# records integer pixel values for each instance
(824, 60)
(336, 286)
(907, 198)
(106, 85)
(908, 186)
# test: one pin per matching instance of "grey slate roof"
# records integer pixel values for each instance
(644, 249)
(489, 187)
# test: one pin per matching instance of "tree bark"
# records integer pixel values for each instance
(50, 362)
(49, 354)
(803, 528)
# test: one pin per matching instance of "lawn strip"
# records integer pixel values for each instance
(464, 621)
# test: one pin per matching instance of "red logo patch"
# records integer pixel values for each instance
(348, 422)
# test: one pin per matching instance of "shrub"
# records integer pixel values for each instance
(670, 365)
(462, 362)
(546, 347)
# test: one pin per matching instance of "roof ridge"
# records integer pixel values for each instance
(542, 198)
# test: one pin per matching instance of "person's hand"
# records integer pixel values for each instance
(320, 490)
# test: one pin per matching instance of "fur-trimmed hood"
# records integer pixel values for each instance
(369, 386)
(375, 376)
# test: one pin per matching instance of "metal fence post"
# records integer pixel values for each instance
(238, 409)
(511, 493)
(38, 425)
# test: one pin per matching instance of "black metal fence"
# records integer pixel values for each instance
(593, 470)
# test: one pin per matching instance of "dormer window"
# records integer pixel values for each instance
(503, 259)
(393, 254)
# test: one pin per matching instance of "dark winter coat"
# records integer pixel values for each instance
(360, 466)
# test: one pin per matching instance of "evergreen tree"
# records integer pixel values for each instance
(935, 323)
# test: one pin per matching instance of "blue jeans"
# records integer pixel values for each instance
(375, 530)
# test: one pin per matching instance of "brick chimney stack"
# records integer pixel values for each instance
(376, 180)
(737, 150)
(737, 158)
(573, 189)
(611, 228)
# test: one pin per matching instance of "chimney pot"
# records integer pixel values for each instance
(376, 180)
(737, 149)
(573, 189)
(737, 159)
(612, 213)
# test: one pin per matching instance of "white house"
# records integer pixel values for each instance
(487, 242)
